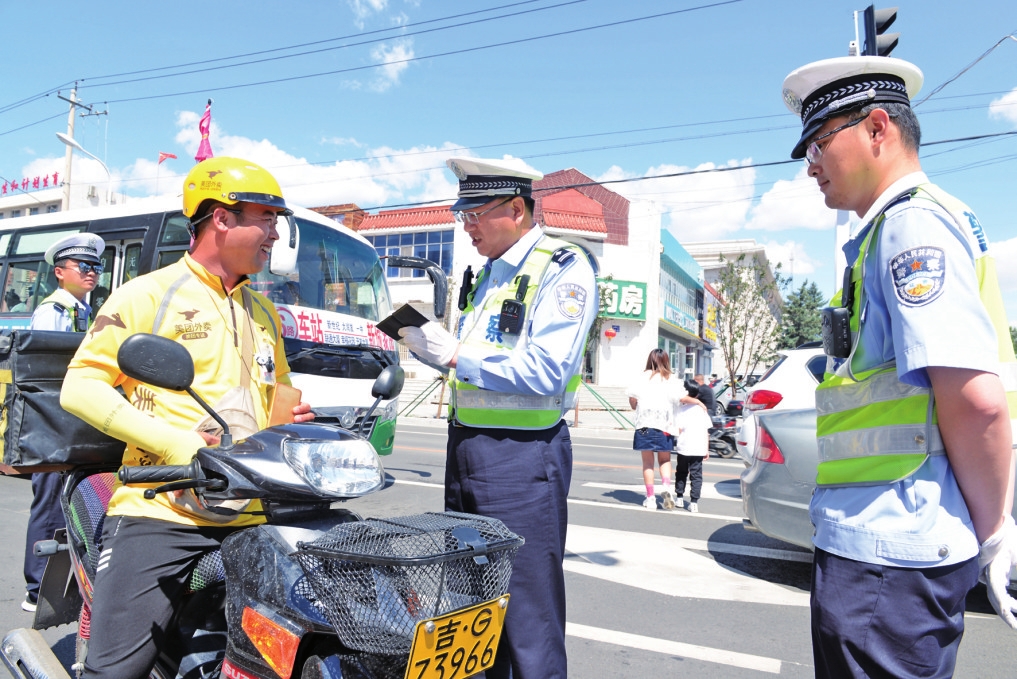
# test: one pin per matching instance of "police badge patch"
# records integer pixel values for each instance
(571, 300)
(918, 275)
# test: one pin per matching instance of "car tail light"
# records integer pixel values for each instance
(762, 399)
(767, 449)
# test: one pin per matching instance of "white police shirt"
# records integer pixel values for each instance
(922, 521)
(553, 349)
(50, 317)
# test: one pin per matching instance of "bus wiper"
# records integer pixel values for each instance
(352, 351)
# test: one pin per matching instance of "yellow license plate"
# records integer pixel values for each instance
(459, 644)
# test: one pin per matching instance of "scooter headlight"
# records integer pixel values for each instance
(349, 468)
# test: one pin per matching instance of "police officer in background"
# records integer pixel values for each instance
(516, 365)
(76, 265)
(915, 479)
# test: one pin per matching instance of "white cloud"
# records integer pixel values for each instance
(702, 206)
(395, 59)
(343, 141)
(794, 204)
(386, 175)
(362, 9)
(1005, 108)
(792, 258)
(83, 171)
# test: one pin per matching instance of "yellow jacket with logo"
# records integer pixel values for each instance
(187, 304)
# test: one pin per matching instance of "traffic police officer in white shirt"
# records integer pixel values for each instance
(515, 366)
(76, 265)
(915, 479)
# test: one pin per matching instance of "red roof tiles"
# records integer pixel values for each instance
(410, 217)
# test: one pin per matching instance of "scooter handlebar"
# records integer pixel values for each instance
(155, 474)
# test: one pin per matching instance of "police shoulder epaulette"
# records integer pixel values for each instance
(562, 256)
(902, 198)
(59, 307)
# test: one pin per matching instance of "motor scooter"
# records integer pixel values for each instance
(315, 592)
(722, 436)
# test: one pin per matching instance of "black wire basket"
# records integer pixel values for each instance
(374, 580)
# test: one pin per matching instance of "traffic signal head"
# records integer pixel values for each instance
(879, 43)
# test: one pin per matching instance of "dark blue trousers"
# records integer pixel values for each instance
(521, 478)
(881, 621)
(44, 518)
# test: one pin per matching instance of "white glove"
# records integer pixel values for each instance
(996, 557)
(430, 342)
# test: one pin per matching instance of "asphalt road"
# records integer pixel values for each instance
(650, 594)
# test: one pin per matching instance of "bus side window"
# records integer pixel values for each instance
(132, 262)
(23, 282)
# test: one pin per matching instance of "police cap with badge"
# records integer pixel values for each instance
(482, 180)
(81, 247)
(835, 87)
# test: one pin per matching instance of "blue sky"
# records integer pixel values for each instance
(385, 90)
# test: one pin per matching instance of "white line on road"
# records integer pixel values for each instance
(717, 655)
(602, 505)
(675, 566)
(709, 490)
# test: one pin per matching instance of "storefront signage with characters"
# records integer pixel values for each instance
(710, 324)
(676, 316)
(327, 327)
(622, 299)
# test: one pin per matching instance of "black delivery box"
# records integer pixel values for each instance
(37, 434)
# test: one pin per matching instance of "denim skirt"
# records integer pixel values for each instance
(652, 439)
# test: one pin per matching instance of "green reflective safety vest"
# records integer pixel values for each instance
(474, 407)
(872, 428)
(55, 299)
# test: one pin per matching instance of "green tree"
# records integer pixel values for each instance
(747, 327)
(801, 321)
(1013, 337)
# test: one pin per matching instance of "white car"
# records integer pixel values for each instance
(790, 384)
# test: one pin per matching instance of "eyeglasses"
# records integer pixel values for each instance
(85, 267)
(261, 221)
(474, 217)
(814, 153)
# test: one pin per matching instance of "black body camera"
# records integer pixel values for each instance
(513, 311)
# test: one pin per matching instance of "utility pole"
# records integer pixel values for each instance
(65, 203)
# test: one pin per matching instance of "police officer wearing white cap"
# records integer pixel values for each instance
(76, 265)
(915, 479)
(515, 371)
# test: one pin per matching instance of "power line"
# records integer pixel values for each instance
(353, 44)
(241, 56)
(345, 37)
(966, 68)
(466, 50)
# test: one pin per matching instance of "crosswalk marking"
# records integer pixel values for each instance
(672, 566)
(716, 655)
(709, 490)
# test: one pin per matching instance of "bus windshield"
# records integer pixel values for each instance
(331, 305)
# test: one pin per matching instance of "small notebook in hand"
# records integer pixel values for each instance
(402, 317)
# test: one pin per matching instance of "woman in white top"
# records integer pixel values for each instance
(654, 398)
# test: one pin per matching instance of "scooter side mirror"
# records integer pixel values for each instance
(389, 383)
(156, 360)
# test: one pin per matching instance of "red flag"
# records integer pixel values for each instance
(205, 148)
(163, 156)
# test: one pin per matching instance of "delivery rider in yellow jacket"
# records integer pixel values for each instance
(205, 303)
